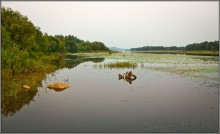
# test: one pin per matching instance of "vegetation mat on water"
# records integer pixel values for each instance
(112, 65)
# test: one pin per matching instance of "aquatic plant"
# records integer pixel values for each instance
(120, 65)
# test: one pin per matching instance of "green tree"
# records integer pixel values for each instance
(5, 39)
(21, 30)
(70, 43)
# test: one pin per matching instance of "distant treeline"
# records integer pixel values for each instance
(195, 46)
(157, 48)
(204, 46)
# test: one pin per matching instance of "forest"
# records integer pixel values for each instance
(213, 45)
(23, 44)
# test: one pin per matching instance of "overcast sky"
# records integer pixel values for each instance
(126, 24)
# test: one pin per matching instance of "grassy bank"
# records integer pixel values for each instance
(14, 97)
(35, 70)
(32, 75)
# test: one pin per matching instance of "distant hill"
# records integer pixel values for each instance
(117, 49)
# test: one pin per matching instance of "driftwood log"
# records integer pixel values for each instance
(128, 76)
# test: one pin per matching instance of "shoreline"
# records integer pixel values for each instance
(183, 52)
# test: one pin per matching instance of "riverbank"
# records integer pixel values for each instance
(31, 75)
(198, 52)
(37, 69)
(14, 96)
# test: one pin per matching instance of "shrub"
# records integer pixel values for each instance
(13, 59)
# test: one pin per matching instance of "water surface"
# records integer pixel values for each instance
(98, 102)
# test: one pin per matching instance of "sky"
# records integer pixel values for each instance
(126, 24)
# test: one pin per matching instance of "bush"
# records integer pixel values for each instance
(31, 65)
(40, 54)
(34, 55)
(14, 60)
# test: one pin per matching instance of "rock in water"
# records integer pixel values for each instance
(58, 86)
(26, 87)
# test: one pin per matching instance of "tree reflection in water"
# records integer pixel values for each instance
(20, 97)
(12, 104)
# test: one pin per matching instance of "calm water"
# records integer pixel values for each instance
(98, 102)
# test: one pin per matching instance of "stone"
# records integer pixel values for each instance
(26, 87)
(58, 86)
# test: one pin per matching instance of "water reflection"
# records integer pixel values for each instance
(58, 89)
(71, 61)
(12, 104)
(20, 97)
(129, 80)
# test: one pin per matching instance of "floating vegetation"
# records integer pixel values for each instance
(112, 65)
(120, 65)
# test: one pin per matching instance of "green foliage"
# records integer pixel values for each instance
(204, 46)
(5, 39)
(70, 43)
(17, 29)
(195, 46)
(32, 66)
(91, 46)
(24, 45)
(13, 59)
(21, 30)
(27, 55)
